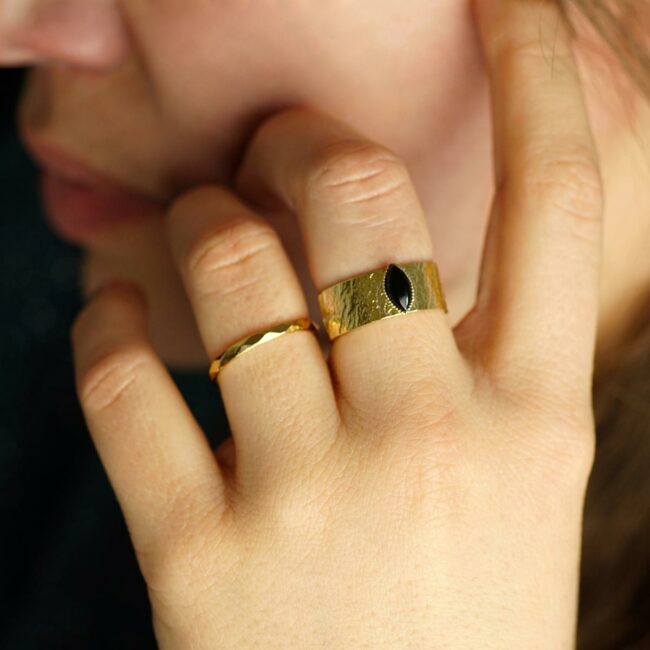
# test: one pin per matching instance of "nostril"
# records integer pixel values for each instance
(73, 32)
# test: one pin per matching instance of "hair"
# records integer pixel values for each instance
(624, 26)
(615, 576)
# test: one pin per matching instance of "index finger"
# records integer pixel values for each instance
(540, 280)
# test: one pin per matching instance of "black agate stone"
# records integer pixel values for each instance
(398, 287)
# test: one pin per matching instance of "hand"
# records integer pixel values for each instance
(424, 487)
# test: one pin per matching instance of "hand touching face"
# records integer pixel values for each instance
(174, 90)
(424, 486)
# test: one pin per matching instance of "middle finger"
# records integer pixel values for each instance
(358, 211)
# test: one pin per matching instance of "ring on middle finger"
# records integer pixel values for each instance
(383, 293)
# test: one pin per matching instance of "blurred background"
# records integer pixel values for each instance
(69, 578)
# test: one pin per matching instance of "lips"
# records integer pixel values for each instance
(82, 205)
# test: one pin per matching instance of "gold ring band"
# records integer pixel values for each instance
(390, 291)
(250, 342)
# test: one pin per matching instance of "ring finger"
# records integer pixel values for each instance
(240, 282)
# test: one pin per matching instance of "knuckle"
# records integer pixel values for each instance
(570, 185)
(358, 173)
(226, 259)
(111, 376)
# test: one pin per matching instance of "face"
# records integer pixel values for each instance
(156, 96)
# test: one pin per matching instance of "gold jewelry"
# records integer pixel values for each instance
(390, 291)
(254, 340)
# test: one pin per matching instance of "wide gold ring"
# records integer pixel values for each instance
(250, 342)
(390, 291)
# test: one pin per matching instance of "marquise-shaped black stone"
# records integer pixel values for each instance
(398, 287)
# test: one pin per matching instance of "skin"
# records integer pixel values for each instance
(333, 517)
(121, 89)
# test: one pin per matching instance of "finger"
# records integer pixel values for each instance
(156, 456)
(541, 270)
(240, 282)
(358, 211)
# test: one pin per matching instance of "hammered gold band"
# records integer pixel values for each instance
(390, 291)
(254, 340)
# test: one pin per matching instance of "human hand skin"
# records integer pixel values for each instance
(423, 488)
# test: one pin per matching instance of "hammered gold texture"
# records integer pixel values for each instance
(250, 342)
(363, 299)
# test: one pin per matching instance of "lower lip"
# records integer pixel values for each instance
(81, 214)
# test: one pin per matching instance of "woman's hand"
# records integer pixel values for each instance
(425, 487)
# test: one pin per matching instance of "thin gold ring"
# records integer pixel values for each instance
(252, 341)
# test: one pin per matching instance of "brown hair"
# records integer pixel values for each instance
(615, 577)
(624, 26)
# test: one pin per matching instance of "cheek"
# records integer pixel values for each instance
(217, 68)
(110, 121)
(228, 62)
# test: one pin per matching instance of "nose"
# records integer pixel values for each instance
(84, 33)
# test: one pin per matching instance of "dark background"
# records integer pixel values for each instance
(69, 578)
